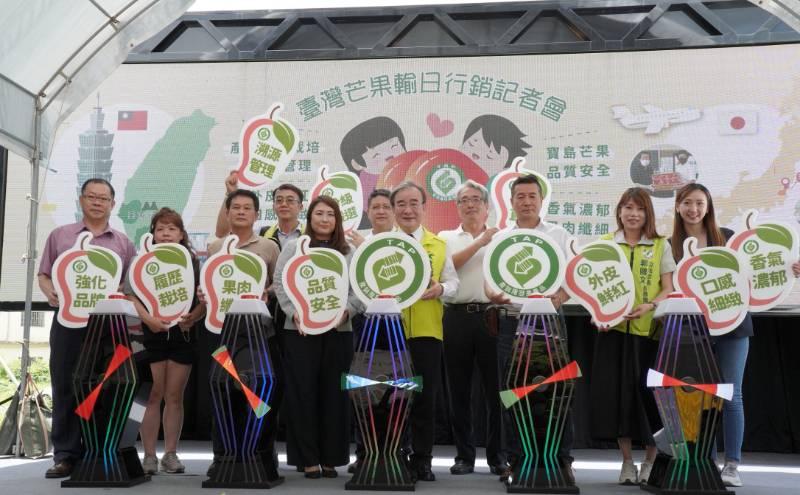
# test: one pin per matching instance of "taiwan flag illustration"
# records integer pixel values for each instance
(132, 120)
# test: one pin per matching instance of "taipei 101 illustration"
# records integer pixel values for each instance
(94, 153)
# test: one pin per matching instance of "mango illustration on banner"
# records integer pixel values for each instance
(225, 276)
(523, 262)
(345, 188)
(316, 282)
(768, 251)
(441, 172)
(500, 192)
(716, 278)
(83, 275)
(162, 277)
(267, 145)
(600, 279)
(392, 264)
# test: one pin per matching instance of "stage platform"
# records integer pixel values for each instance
(596, 473)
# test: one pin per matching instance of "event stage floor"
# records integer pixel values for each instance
(596, 472)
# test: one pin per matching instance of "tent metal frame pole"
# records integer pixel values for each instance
(30, 259)
(112, 22)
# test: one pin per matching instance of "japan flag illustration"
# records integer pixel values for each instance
(741, 121)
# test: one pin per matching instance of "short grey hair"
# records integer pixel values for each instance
(471, 184)
(407, 185)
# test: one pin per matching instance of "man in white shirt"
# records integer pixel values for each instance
(422, 322)
(467, 338)
(526, 201)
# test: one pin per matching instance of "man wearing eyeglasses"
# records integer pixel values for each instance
(97, 201)
(423, 323)
(287, 203)
(468, 339)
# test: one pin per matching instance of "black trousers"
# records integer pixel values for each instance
(467, 343)
(65, 351)
(505, 340)
(426, 355)
(318, 420)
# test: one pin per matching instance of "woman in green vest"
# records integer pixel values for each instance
(625, 408)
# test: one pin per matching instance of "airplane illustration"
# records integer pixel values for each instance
(654, 119)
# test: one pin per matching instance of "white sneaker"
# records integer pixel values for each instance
(730, 475)
(150, 464)
(171, 464)
(628, 475)
(644, 472)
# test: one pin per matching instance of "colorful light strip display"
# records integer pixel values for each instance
(686, 383)
(539, 385)
(381, 384)
(242, 382)
(105, 383)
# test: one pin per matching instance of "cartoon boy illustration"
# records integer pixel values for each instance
(493, 142)
(367, 148)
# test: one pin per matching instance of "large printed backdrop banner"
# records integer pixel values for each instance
(593, 124)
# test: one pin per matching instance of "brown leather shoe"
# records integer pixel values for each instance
(60, 470)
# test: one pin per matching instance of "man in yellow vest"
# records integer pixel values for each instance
(423, 323)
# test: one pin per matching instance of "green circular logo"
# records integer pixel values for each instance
(523, 262)
(306, 272)
(80, 266)
(152, 268)
(699, 273)
(328, 191)
(750, 246)
(264, 134)
(444, 180)
(226, 270)
(584, 270)
(392, 264)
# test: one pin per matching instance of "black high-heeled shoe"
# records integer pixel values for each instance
(329, 472)
(314, 475)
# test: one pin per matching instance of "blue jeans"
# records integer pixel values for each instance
(732, 357)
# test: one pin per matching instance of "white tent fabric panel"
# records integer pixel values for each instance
(60, 51)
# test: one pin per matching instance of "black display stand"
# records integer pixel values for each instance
(242, 382)
(105, 384)
(686, 384)
(539, 385)
(381, 384)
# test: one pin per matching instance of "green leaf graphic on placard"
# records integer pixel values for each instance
(344, 182)
(247, 263)
(600, 252)
(103, 261)
(388, 271)
(775, 234)
(720, 259)
(523, 266)
(170, 255)
(284, 135)
(327, 261)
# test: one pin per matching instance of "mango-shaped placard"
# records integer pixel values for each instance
(599, 277)
(162, 277)
(717, 279)
(83, 275)
(267, 145)
(345, 188)
(315, 279)
(767, 251)
(225, 276)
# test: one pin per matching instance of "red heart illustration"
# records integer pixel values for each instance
(439, 127)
